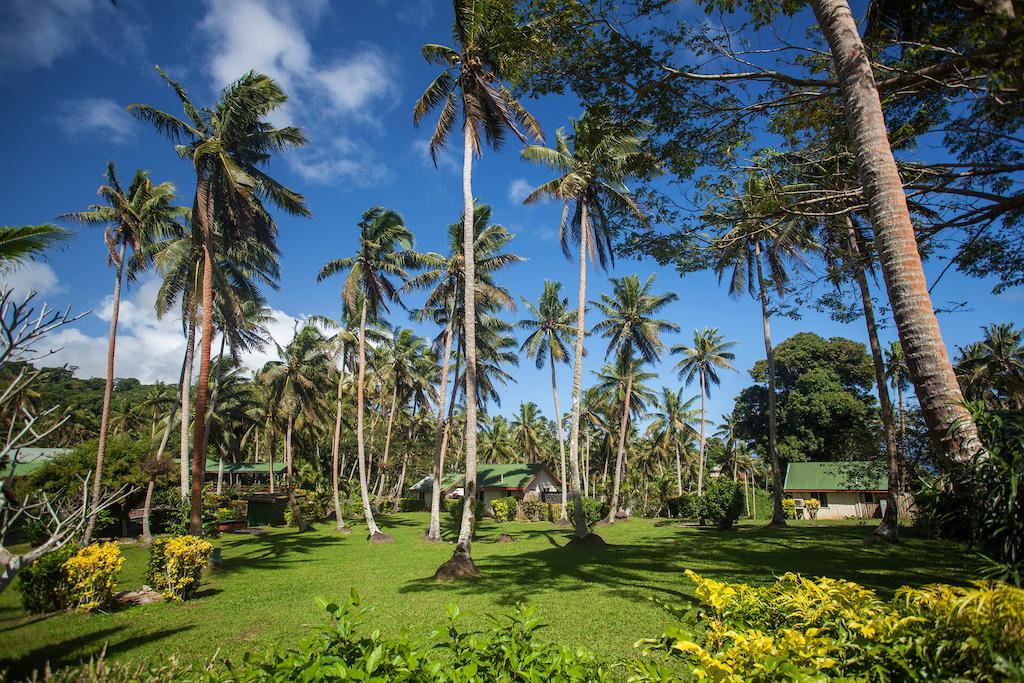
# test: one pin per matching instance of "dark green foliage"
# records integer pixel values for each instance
(594, 510)
(157, 566)
(825, 407)
(455, 510)
(120, 466)
(44, 582)
(981, 502)
(683, 507)
(410, 505)
(721, 503)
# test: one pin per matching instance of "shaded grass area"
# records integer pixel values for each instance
(265, 597)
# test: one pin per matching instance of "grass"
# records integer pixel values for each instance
(265, 595)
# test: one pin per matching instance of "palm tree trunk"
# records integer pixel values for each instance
(700, 456)
(903, 434)
(586, 465)
(108, 391)
(271, 463)
(186, 398)
(679, 471)
(888, 529)
(382, 474)
(147, 534)
(461, 563)
(335, 446)
(938, 392)
(778, 516)
(199, 440)
(617, 479)
(292, 504)
(434, 530)
(400, 484)
(579, 516)
(371, 525)
(564, 517)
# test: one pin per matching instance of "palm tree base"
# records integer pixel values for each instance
(343, 530)
(884, 533)
(430, 539)
(588, 541)
(380, 539)
(564, 521)
(505, 538)
(777, 524)
(460, 566)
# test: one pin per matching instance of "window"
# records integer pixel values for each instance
(869, 498)
(822, 498)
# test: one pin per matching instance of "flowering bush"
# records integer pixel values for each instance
(825, 629)
(92, 575)
(176, 565)
(789, 508)
(812, 505)
(505, 509)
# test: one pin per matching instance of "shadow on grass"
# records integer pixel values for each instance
(275, 550)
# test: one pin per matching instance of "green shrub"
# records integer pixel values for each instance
(505, 509)
(533, 510)
(594, 510)
(455, 510)
(176, 565)
(682, 507)
(721, 503)
(789, 508)
(411, 505)
(554, 512)
(828, 629)
(44, 583)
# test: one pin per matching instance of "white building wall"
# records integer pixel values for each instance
(543, 482)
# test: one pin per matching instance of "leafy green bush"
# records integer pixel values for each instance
(827, 629)
(594, 510)
(505, 509)
(721, 503)
(44, 583)
(410, 505)
(789, 508)
(455, 510)
(682, 507)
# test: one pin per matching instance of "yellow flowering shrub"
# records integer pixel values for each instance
(176, 565)
(789, 508)
(92, 575)
(825, 629)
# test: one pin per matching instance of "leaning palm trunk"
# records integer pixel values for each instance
(186, 397)
(888, 529)
(461, 563)
(335, 447)
(778, 516)
(935, 384)
(434, 530)
(617, 476)
(199, 440)
(578, 514)
(147, 506)
(108, 390)
(371, 524)
(564, 517)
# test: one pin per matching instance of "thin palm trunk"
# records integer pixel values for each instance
(778, 516)
(579, 516)
(335, 446)
(623, 426)
(903, 434)
(938, 391)
(147, 506)
(382, 474)
(400, 484)
(186, 399)
(199, 440)
(108, 391)
(564, 517)
(371, 524)
(271, 456)
(700, 456)
(586, 465)
(679, 471)
(297, 518)
(434, 530)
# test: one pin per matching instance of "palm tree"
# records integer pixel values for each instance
(472, 74)
(445, 278)
(227, 144)
(385, 254)
(551, 321)
(898, 375)
(496, 439)
(593, 163)
(992, 370)
(709, 353)
(23, 243)
(613, 379)
(526, 429)
(743, 250)
(295, 383)
(629, 325)
(671, 423)
(133, 218)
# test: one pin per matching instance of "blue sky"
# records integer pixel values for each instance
(352, 70)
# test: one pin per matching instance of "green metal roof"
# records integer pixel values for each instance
(213, 466)
(853, 475)
(488, 476)
(448, 481)
(30, 460)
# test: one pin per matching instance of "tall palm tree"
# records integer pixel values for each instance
(594, 162)
(992, 370)
(630, 326)
(670, 424)
(708, 354)
(496, 439)
(227, 145)
(133, 218)
(527, 428)
(472, 75)
(898, 375)
(444, 277)
(385, 254)
(25, 242)
(295, 383)
(743, 250)
(550, 323)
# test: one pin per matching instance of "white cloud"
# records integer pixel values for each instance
(518, 190)
(323, 94)
(148, 348)
(96, 115)
(416, 12)
(32, 276)
(445, 160)
(35, 33)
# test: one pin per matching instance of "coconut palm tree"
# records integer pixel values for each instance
(472, 78)
(497, 442)
(671, 424)
(743, 251)
(594, 162)
(385, 255)
(630, 326)
(444, 277)
(527, 430)
(227, 145)
(133, 217)
(992, 370)
(295, 383)
(550, 323)
(25, 242)
(708, 354)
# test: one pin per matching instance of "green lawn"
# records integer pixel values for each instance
(265, 596)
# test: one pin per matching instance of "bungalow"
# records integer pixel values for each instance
(845, 489)
(521, 481)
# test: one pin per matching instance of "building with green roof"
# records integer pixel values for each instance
(845, 489)
(533, 481)
(25, 461)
